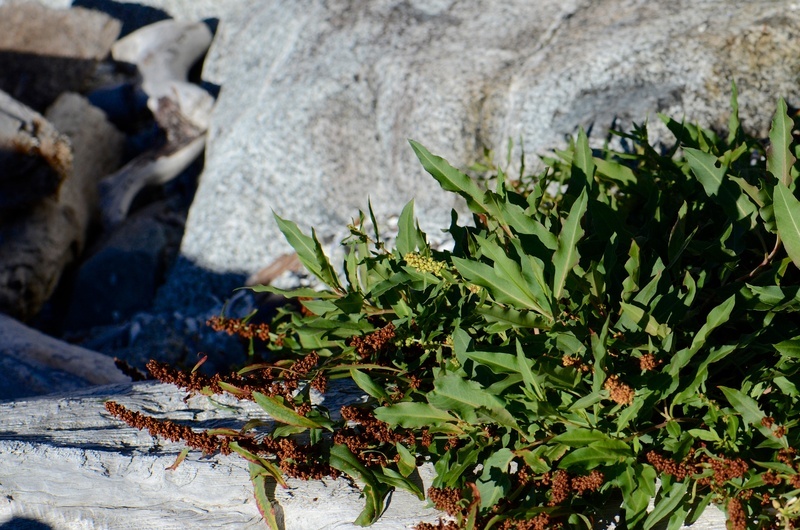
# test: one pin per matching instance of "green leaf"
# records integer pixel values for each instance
(504, 290)
(716, 317)
(463, 397)
(744, 405)
(265, 505)
(413, 415)
(779, 155)
(279, 412)
(309, 251)
(494, 482)
(262, 465)
(644, 320)
(734, 127)
(449, 178)
(392, 478)
(704, 166)
(583, 167)
(409, 237)
(374, 492)
(667, 504)
(601, 453)
(566, 256)
(407, 463)
(366, 384)
(789, 348)
(787, 217)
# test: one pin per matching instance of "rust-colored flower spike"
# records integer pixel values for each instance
(374, 342)
(237, 326)
(169, 430)
(648, 362)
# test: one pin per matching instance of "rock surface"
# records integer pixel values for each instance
(319, 98)
(68, 464)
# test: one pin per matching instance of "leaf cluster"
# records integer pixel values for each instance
(618, 329)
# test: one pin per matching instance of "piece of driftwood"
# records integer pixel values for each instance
(163, 54)
(35, 158)
(34, 363)
(35, 247)
(68, 464)
(44, 52)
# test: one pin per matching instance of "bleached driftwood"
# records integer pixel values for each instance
(35, 158)
(34, 363)
(35, 247)
(163, 53)
(66, 463)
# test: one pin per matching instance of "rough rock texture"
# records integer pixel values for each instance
(32, 363)
(68, 464)
(39, 62)
(35, 247)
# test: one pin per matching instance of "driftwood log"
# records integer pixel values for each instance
(45, 52)
(68, 464)
(35, 247)
(35, 158)
(32, 363)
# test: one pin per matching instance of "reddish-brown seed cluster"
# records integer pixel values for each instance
(264, 380)
(563, 485)
(724, 468)
(575, 362)
(668, 466)
(541, 522)
(447, 500)
(737, 520)
(374, 343)
(169, 430)
(620, 392)
(237, 326)
(129, 370)
(369, 434)
(648, 362)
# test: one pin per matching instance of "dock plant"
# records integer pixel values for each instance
(616, 336)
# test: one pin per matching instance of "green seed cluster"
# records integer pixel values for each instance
(424, 263)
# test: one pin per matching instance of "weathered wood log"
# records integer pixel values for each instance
(44, 52)
(35, 364)
(34, 157)
(35, 247)
(66, 462)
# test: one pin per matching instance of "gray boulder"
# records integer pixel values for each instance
(319, 98)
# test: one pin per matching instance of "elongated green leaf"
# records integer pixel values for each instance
(583, 167)
(408, 235)
(374, 492)
(716, 317)
(789, 348)
(744, 405)
(787, 217)
(566, 256)
(779, 155)
(366, 384)
(494, 482)
(734, 127)
(263, 502)
(413, 415)
(725, 192)
(614, 171)
(644, 320)
(511, 271)
(449, 178)
(407, 463)
(601, 453)
(499, 363)
(280, 412)
(451, 392)
(392, 478)
(259, 465)
(512, 317)
(580, 437)
(309, 251)
(667, 504)
(502, 289)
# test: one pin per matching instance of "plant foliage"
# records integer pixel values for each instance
(632, 336)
